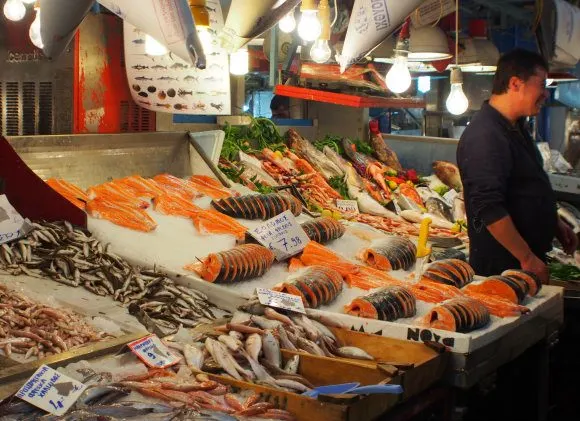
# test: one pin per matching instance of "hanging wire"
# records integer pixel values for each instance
(456, 31)
(335, 14)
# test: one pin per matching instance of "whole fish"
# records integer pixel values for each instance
(334, 156)
(239, 336)
(439, 208)
(292, 364)
(231, 342)
(259, 370)
(310, 347)
(323, 329)
(385, 154)
(98, 395)
(265, 323)
(271, 348)
(253, 345)
(272, 314)
(354, 352)
(292, 384)
(417, 217)
(324, 319)
(458, 209)
(304, 322)
(193, 357)
(319, 161)
(285, 341)
(221, 357)
(448, 173)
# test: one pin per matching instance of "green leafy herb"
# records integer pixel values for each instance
(563, 272)
(441, 190)
(333, 142)
(232, 173)
(339, 184)
(261, 188)
(363, 147)
(259, 134)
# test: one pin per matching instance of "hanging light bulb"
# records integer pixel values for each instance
(153, 47)
(201, 18)
(424, 84)
(239, 62)
(34, 31)
(288, 23)
(320, 51)
(457, 102)
(14, 10)
(309, 27)
(399, 78)
(28, 1)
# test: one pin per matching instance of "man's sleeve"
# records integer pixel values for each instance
(485, 162)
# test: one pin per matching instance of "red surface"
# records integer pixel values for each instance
(348, 100)
(478, 28)
(30, 196)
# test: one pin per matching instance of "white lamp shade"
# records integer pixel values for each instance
(487, 57)
(428, 43)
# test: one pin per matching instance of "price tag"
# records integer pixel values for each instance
(347, 206)
(12, 225)
(153, 352)
(281, 234)
(276, 299)
(51, 391)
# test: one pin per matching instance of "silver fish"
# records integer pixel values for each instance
(193, 357)
(310, 347)
(96, 395)
(265, 323)
(439, 208)
(319, 161)
(231, 342)
(323, 329)
(240, 317)
(311, 331)
(271, 348)
(292, 364)
(239, 336)
(254, 345)
(354, 352)
(292, 384)
(220, 355)
(285, 341)
(259, 370)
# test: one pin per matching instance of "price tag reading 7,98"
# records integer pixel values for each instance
(281, 234)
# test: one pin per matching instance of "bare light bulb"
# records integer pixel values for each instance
(206, 39)
(154, 47)
(28, 1)
(34, 31)
(457, 102)
(14, 10)
(320, 51)
(288, 23)
(239, 62)
(309, 27)
(399, 78)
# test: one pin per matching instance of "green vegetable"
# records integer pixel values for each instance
(260, 133)
(563, 272)
(363, 147)
(333, 142)
(339, 184)
(441, 190)
(235, 175)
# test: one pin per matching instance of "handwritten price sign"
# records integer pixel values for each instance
(347, 206)
(51, 391)
(153, 352)
(281, 234)
(276, 299)
(12, 225)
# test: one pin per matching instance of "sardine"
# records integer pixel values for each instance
(354, 352)
(253, 345)
(271, 348)
(292, 364)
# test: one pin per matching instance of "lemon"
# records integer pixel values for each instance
(456, 228)
(327, 213)
(392, 185)
(278, 154)
(337, 215)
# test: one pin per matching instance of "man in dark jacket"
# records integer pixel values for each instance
(510, 204)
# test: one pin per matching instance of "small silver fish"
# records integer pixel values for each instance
(193, 357)
(292, 384)
(271, 348)
(265, 323)
(253, 345)
(231, 342)
(220, 355)
(292, 365)
(354, 352)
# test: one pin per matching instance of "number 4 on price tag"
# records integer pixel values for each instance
(153, 352)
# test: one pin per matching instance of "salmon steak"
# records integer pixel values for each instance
(457, 315)
(243, 262)
(69, 191)
(388, 304)
(322, 230)
(511, 289)
(258, 206)
(317, 286)
(530, 278)
(453, 272)
(393, 253)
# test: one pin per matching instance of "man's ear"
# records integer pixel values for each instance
(514, 84)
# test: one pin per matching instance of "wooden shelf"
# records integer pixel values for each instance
(357, 101)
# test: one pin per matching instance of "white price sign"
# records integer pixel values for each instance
(347, 206)
(276, 299)
(12, 225)
(281, 234)
(153, 352)
(51, 391)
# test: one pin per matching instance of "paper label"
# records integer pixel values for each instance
(450, 196)
(347, 206)
(12, 225)
(282, 300)
(153, 352)
(51, 391)
(281, 234)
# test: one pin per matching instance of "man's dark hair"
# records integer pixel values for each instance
(278, 101)
(517, 63)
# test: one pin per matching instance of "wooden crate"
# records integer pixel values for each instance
(424, 367)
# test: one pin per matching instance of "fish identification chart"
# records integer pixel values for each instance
(169, 84)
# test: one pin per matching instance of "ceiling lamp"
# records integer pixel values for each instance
(486, 52)
(14, 10)
(320, 51)
(398, 77)
(428, 43)
(309, 27)
(457, 103)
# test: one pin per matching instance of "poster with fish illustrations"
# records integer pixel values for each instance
(169, 84)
